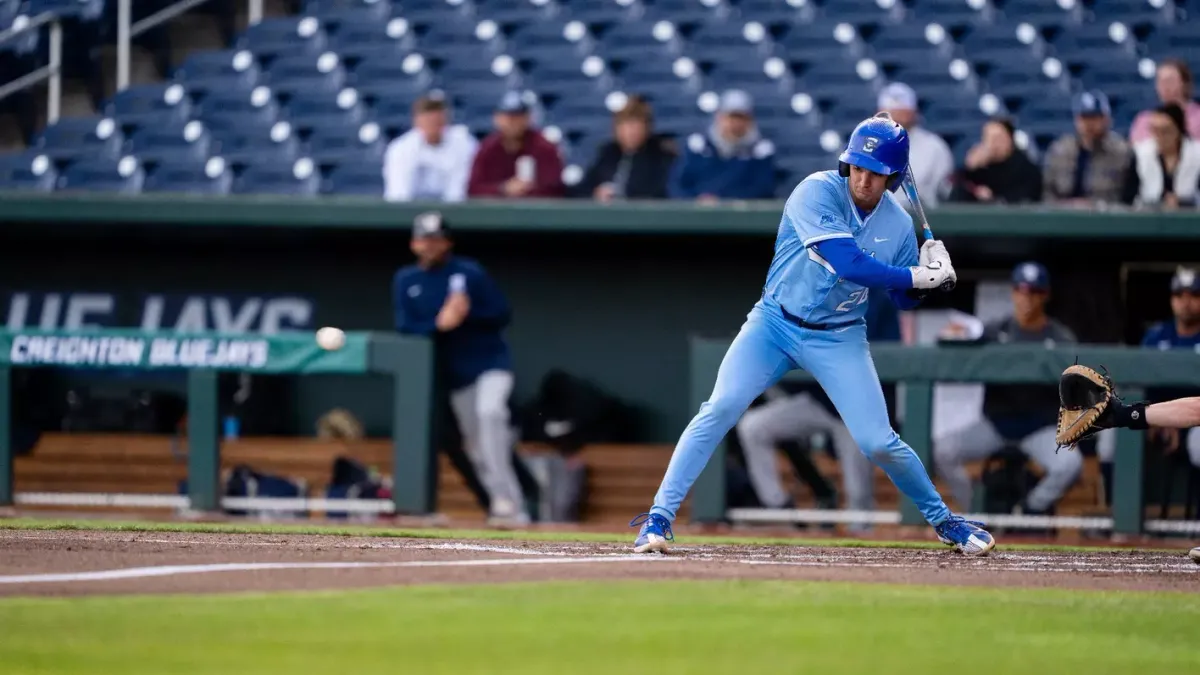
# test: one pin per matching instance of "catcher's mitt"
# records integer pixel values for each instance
(1085, 397)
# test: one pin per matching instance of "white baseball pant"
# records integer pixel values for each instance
(481, 409)
(954, 450)
(761, 429)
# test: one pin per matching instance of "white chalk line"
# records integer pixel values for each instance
(173, 570)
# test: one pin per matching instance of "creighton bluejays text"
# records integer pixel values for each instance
(132, 351)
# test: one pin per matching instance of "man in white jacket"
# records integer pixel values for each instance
(431, 161)
(929, 155)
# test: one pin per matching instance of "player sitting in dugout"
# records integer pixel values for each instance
(1018, 414)
(731, 161)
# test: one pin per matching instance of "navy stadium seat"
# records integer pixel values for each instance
(299, 178)
(225, 70)
(74, 137)
(775, 12)
(600, 12)
(813, 43)
(154, 104)
(204, 177)
(257, 107)
(681, 11)
(856, 11)
(88, 10)
(333, 12)
(355, 179)
(337, 144)
(320, 109)
(240, 143)
(454, 41)
(362, 39)
(1091, 46)
(103, 174)
(514, 12)
(275, 37)
(545, 40)
(1041, 12)
(946, 12)
(174, 143)
(27, 171)
(291, 75)
(995, 43)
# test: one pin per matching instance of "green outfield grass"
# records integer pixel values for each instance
(532, 535)
(628, 627)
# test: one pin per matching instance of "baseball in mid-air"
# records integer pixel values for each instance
(331, 338)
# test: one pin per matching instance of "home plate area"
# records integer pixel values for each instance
(70, 562)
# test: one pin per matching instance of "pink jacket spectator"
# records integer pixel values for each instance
(1140, 129)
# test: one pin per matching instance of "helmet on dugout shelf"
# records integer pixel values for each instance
(877, 144)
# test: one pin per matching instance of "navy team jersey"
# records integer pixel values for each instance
(1164, 336)
(478, 344)
(820, 208)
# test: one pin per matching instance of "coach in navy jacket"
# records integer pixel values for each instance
(731, 161)
(453, 300)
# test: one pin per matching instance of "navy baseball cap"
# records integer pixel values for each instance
(1185, 279)
(1031, 276)
(1090, 104)
(430, 224)
(512, 102)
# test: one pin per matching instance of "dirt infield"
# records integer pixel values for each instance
(69, 562)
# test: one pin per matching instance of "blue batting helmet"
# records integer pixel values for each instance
(877, 144)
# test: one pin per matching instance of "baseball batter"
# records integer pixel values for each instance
(842, 233)
(453, 300)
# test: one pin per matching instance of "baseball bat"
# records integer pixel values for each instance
(910, 190)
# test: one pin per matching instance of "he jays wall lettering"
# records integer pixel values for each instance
(188, 313)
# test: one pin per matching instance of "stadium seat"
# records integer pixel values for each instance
(455, 41)
(1176, 40)
(1041, 13)
(103, 174)
(206, 177)
(360, 38)
(355, 179)
(1092, 45)
(996, 44)
(309, 73)
(27, 171)
(170, 144)
(775, 12)
(74, 137)
(257, 107)
(600, 12)
(241, 143)
(546, 40)
(275, 37)
(155, 104)
(332, 13)
(225, 71)
(860, 11)
(813, 43)
(336, 144)
(683, 11)
(308, 111)
(945, 12)
(515, 12)
(298, 179)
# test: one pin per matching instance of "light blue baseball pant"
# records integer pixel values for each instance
(767, 347)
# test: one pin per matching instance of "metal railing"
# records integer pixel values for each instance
(127, 30)
(51, 72)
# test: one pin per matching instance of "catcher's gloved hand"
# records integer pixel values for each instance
(1088, 402)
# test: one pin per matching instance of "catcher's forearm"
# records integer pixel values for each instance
(1178, 414)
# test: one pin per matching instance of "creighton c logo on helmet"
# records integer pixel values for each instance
(870, 143)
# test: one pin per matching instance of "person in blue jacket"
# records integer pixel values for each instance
(453, 300)
(731, 161)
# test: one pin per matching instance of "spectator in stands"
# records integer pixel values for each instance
(516, 160)
(929, 156)
(731, 161)
(1024, 416)
(431, 161)
(1165, 169)
(997, 171)
(635, 164)
(1174, 85)
(1091, 164)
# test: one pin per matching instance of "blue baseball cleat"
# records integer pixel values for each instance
(967, 536)
(654, 535)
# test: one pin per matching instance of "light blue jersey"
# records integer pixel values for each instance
(820, 208)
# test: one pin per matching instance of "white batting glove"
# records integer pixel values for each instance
(933, 249)
(458, 283)
(931, 275)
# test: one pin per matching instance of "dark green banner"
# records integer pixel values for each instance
(282, 353)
